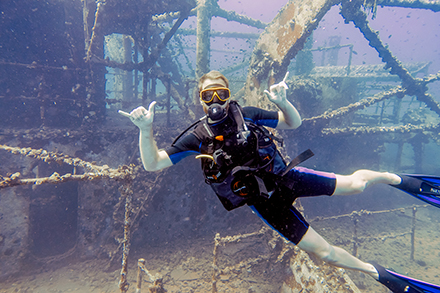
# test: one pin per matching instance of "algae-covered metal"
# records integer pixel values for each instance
(282, 39)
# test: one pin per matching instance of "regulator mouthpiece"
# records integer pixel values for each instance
(216, 112)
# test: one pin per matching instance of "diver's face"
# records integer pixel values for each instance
(213, 83)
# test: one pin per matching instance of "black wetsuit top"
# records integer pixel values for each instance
(192, 145)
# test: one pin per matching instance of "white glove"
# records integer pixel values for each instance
(141, 117)
(277, 92)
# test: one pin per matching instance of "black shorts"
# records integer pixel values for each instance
(288, 221)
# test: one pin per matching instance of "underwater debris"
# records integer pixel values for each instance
(157, 280)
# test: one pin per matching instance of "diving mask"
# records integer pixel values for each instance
(216, 108)
(222, 93)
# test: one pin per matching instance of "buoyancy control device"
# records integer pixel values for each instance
(238, 163)
(234, 163)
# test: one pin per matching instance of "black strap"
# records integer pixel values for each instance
(189, 127)
(307, 154)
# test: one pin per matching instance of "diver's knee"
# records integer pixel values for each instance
(327, 255)
(359, 181)
(359, 187)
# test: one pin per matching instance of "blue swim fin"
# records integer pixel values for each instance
(424, 187)
(402, 284)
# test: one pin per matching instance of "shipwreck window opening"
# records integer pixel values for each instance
(53, 213)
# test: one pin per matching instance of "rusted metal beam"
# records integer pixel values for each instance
(152, 58)
(233, 16)
(282, 39)
(238, 35)
(96, 40)
(421, 4)
(352, 11)
(204, 15)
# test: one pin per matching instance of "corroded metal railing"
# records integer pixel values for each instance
(93, 171)
(124, 174)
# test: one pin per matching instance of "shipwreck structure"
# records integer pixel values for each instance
(72, 184)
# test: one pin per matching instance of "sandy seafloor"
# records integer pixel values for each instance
(187, 267)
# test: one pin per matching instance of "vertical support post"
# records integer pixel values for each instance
(203, 37)
(168, 100)
(153, 88)
(350, 57)
(141, 263)
(42, 94)
(355, 239)
(151, 93)
(145, 69)
(127, 193)
(333, 54)
(324, 52)
(75, 38)
(187, 98)
(95, 85)
(127, 85)
(413, 233)
(417, 144)
(382, 110)
(145, 78)
(215, 272)
(86, 25)
(136, 71)
(396, 109)
(399, 156)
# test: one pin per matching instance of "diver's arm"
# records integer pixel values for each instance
(288, 116)
(153, 159)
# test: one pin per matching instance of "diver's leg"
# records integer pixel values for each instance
(292, 225)
(361, 179)
(314, 243)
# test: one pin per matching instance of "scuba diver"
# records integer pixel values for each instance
(241, 163)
